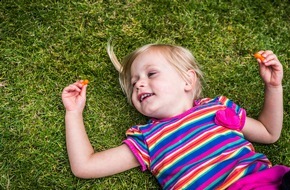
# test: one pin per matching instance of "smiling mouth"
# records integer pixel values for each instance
(144, 96)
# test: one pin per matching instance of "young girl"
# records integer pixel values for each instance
(189, 142)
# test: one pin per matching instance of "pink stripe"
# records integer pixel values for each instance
(244, 164)
(175, 141)
(206, 153)
(136, 154)
(243, 118)
(181, 152)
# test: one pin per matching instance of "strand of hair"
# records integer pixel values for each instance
(113, 57)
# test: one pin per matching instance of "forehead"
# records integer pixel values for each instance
(151, 57)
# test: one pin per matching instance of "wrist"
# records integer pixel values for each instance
(73, 119)
(274, 88)
(274, 92)
(73, 113)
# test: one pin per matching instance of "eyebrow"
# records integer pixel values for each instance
(145, 67)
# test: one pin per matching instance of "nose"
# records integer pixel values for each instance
(140, 84)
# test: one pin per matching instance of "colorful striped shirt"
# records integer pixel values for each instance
(203, 148)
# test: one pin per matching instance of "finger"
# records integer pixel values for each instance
(265, 52)
(268, 52)
(84, 90)
(274, 64)
(261, 52)
(259, 56)
(71, 88)
(271, 57)
(79, 83)
(261, 66)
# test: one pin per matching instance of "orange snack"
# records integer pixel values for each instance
(259, 56)
(85, 82)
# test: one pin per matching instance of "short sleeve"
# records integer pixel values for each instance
(137, 144)
(231, 116)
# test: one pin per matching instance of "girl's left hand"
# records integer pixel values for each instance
(271, 70)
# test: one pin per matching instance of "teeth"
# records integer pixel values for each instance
(144, 96)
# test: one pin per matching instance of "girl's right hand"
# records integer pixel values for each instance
(74, 97)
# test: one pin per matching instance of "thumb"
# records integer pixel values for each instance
(84, 91)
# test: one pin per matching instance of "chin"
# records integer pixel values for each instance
(149, 114)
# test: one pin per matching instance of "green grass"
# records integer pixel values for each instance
(46, 45)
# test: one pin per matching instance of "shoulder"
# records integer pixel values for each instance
(217, 99)
(139, 129)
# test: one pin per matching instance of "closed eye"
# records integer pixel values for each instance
(133, 83)
(151, 74)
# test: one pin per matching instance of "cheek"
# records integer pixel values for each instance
(134, 99)
(170, 86)
(161, 84)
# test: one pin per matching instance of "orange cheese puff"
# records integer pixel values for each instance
(259, 56)
(85, 82)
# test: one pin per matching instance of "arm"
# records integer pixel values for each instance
(267, 128)
(85, 163)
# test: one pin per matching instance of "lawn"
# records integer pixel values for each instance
(46, 45)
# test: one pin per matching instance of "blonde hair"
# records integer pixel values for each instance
(179, 57)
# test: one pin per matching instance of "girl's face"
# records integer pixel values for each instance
(158, 89)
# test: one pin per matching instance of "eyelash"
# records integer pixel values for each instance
(149, 75)
(133, 84)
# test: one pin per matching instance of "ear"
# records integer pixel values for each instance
(191, 80)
